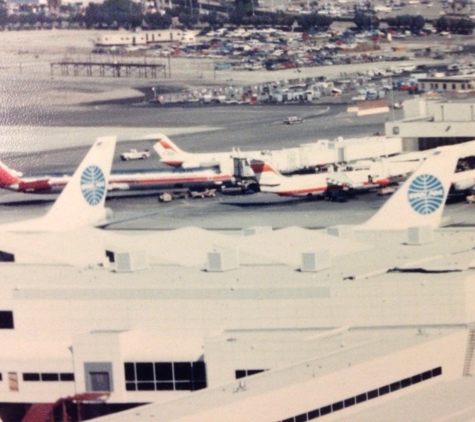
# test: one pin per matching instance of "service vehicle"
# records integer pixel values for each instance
(133, 154)
(293, 120)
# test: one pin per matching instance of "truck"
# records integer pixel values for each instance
(133, 154)
(291, 120)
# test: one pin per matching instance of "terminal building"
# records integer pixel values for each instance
(428, 123)
(257, 325)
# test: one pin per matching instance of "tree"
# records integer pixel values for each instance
(282, 19)
(314, 21)
(158, 21)
(188, 19)
(457, 26)
(3, 16)
(418, 24)
(365, 21)
(216, 20)
(114, 13)
(247, 7)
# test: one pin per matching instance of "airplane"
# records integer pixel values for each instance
(81, 202)
(124, 180)
(286, 160)
(355, 177)
(318, 184)
(171, 155)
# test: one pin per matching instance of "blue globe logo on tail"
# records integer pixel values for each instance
(426, 194)
(93, 185)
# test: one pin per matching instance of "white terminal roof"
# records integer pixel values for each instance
(381, 264)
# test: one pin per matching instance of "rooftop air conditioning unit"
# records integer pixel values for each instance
(249, 231)
(127, 261)
(219, 261)
(315, 260)
(342, 231)
(420, 235)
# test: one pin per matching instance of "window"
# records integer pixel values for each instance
(6, 257)
(6, 320)
(416, 378)
(350, 402)
(396, 130)
(66, 376)
(337, 406)
(30, 376)
(241, 373)
(99, 381)
(444, 86)
(360, 398)
(165, 376)
(98, 376)
(313, 414)
(395, 386)
(47, 376)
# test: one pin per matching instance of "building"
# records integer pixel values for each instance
(454, 83)
(428, 123)
(126, 38)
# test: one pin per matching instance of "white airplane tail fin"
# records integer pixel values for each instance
(82, 201)
(420, 200)
(265, 174)
(168, 152)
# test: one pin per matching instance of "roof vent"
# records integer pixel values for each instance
(127, 261)
(219, 261)
(420, 235)
(249, 231)
(343, 231)
(315, 260)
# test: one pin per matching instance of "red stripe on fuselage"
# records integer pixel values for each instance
(306, 191)
(172, 163)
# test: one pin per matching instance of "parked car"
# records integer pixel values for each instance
(133, 154)
(293, 120)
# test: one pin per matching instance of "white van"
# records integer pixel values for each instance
(292, 120)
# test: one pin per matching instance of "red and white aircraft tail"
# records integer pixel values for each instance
(81, 203)
(266, 175)
(8, 177)
(168, 151)
(172, 155)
